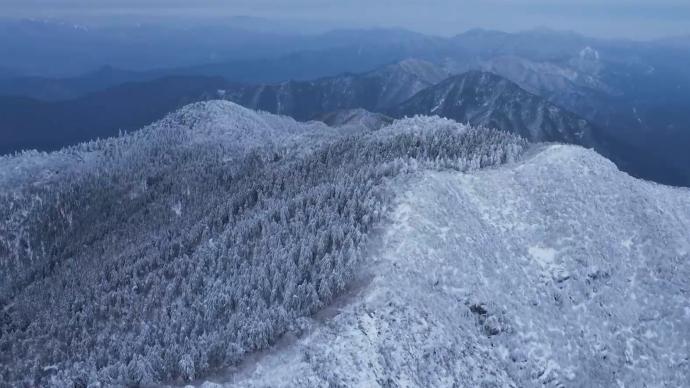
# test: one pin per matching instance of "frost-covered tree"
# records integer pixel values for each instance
(162, 254)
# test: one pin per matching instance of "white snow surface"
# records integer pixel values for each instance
(556, 271)
(240, 127)
(237, 128)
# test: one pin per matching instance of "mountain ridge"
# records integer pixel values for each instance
(130, 106)
(217, 230)
(420, 317)
(484, 98)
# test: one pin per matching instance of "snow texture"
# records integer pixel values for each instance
(556, 271)
(233, 247)
(188, 246)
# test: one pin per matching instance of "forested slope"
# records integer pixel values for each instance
(554, 271)
(164, 254)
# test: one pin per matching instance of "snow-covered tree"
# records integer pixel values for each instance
(102, 277)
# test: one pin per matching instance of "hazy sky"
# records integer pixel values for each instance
(638, 19)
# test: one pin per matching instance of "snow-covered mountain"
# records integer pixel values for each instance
(375, 91)
(185, 247)
(222, 245)
(404, 79)
(579, 81)
(482, 98)
(217, 122)
(557, 271)
(49, 125)
(636, 92)
(562, 83)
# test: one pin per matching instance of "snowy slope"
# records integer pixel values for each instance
(376, 91)
(313, 256)
(402, 80)
(186, 247)
(238, 127)
(212, 122)
(557, 271)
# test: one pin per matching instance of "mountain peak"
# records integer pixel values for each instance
(240, 127)
(486, 99)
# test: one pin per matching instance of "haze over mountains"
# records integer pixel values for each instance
(407, 88)
(633, 92)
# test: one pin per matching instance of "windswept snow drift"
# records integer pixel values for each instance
(555, 271)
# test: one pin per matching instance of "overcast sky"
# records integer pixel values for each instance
(637, 19)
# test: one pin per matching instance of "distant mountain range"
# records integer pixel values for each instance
(48, 48)
(57, 89)
(486, 99)
(406, 88)
(353, 54)
(376, 91)
(636, 93)
(47, 125)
